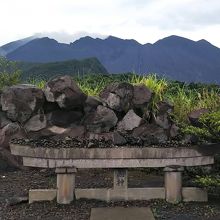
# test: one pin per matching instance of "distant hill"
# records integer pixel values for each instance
(7, 48)
(70, 67)
(175, 57)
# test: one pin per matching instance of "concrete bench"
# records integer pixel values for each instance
(66, 161)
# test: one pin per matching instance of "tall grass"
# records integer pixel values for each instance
(185, 97)
(186, 100)
(37, 82)
(157, 85)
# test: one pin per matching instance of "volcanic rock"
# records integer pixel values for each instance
(36, 123)
(142, 95)
(4, 120)
(21, 101)
(7, 132)
(162, 117)
(118, 96)
(65, 92)
(174, 131)
(102, 120)
(64, 118)
(164, 107)
(150, 134)
(91, 104)
(75, 131)
(130, 121)
(195, 115)
(50, 107)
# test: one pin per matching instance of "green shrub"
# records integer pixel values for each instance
(207, 181)
(209, 129)
(9, 73)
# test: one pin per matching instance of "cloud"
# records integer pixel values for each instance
(65, 37)
(143, 20)
(182, 15)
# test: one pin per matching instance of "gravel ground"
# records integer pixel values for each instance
(69, 142)
(17, 183)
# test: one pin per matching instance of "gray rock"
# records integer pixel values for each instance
(64, 118)
(21, 101)
(65, 92)
(162, 116)
(11, 129)
(91, 104)
(11, 201)
(142, 95)
(102, 120)
(130, 121)
(74, 131)
(174, 131)
(50, 107)
(7, 132)
(195, 115)
(163, 121)
(118, 96)
(4, 120)
(36, 123)
(150, 134)
(48, 132)
(164, 107)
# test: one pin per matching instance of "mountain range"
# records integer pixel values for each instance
(173, 57)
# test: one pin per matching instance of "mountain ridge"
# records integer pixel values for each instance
(176, 57)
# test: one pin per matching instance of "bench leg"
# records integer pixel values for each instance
(173, 184)
(65, 185)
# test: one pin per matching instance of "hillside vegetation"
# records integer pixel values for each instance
(70, 67)
(185, 97)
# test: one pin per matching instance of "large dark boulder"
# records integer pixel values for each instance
(65, 92)
(91, 104)
(102, 120)
(150, 134)
(20, 102)
(64, 118)
(118, 96)
(142, 96)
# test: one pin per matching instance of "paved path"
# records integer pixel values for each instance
(120, 213)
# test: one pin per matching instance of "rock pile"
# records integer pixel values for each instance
(62, 109)
(121, 114)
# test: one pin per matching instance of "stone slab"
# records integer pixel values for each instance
(121, 194)
(112, 153)
(42, 195)
(120, 213)
(191, 194)
(116, 163)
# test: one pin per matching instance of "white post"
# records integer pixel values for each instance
(65, 185)
(173, 184)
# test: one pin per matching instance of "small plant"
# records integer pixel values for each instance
(9, 73)
(207, 181)
(39, 83)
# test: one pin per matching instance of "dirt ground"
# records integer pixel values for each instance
(17, 183)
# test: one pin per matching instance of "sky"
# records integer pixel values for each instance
(143, 20)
